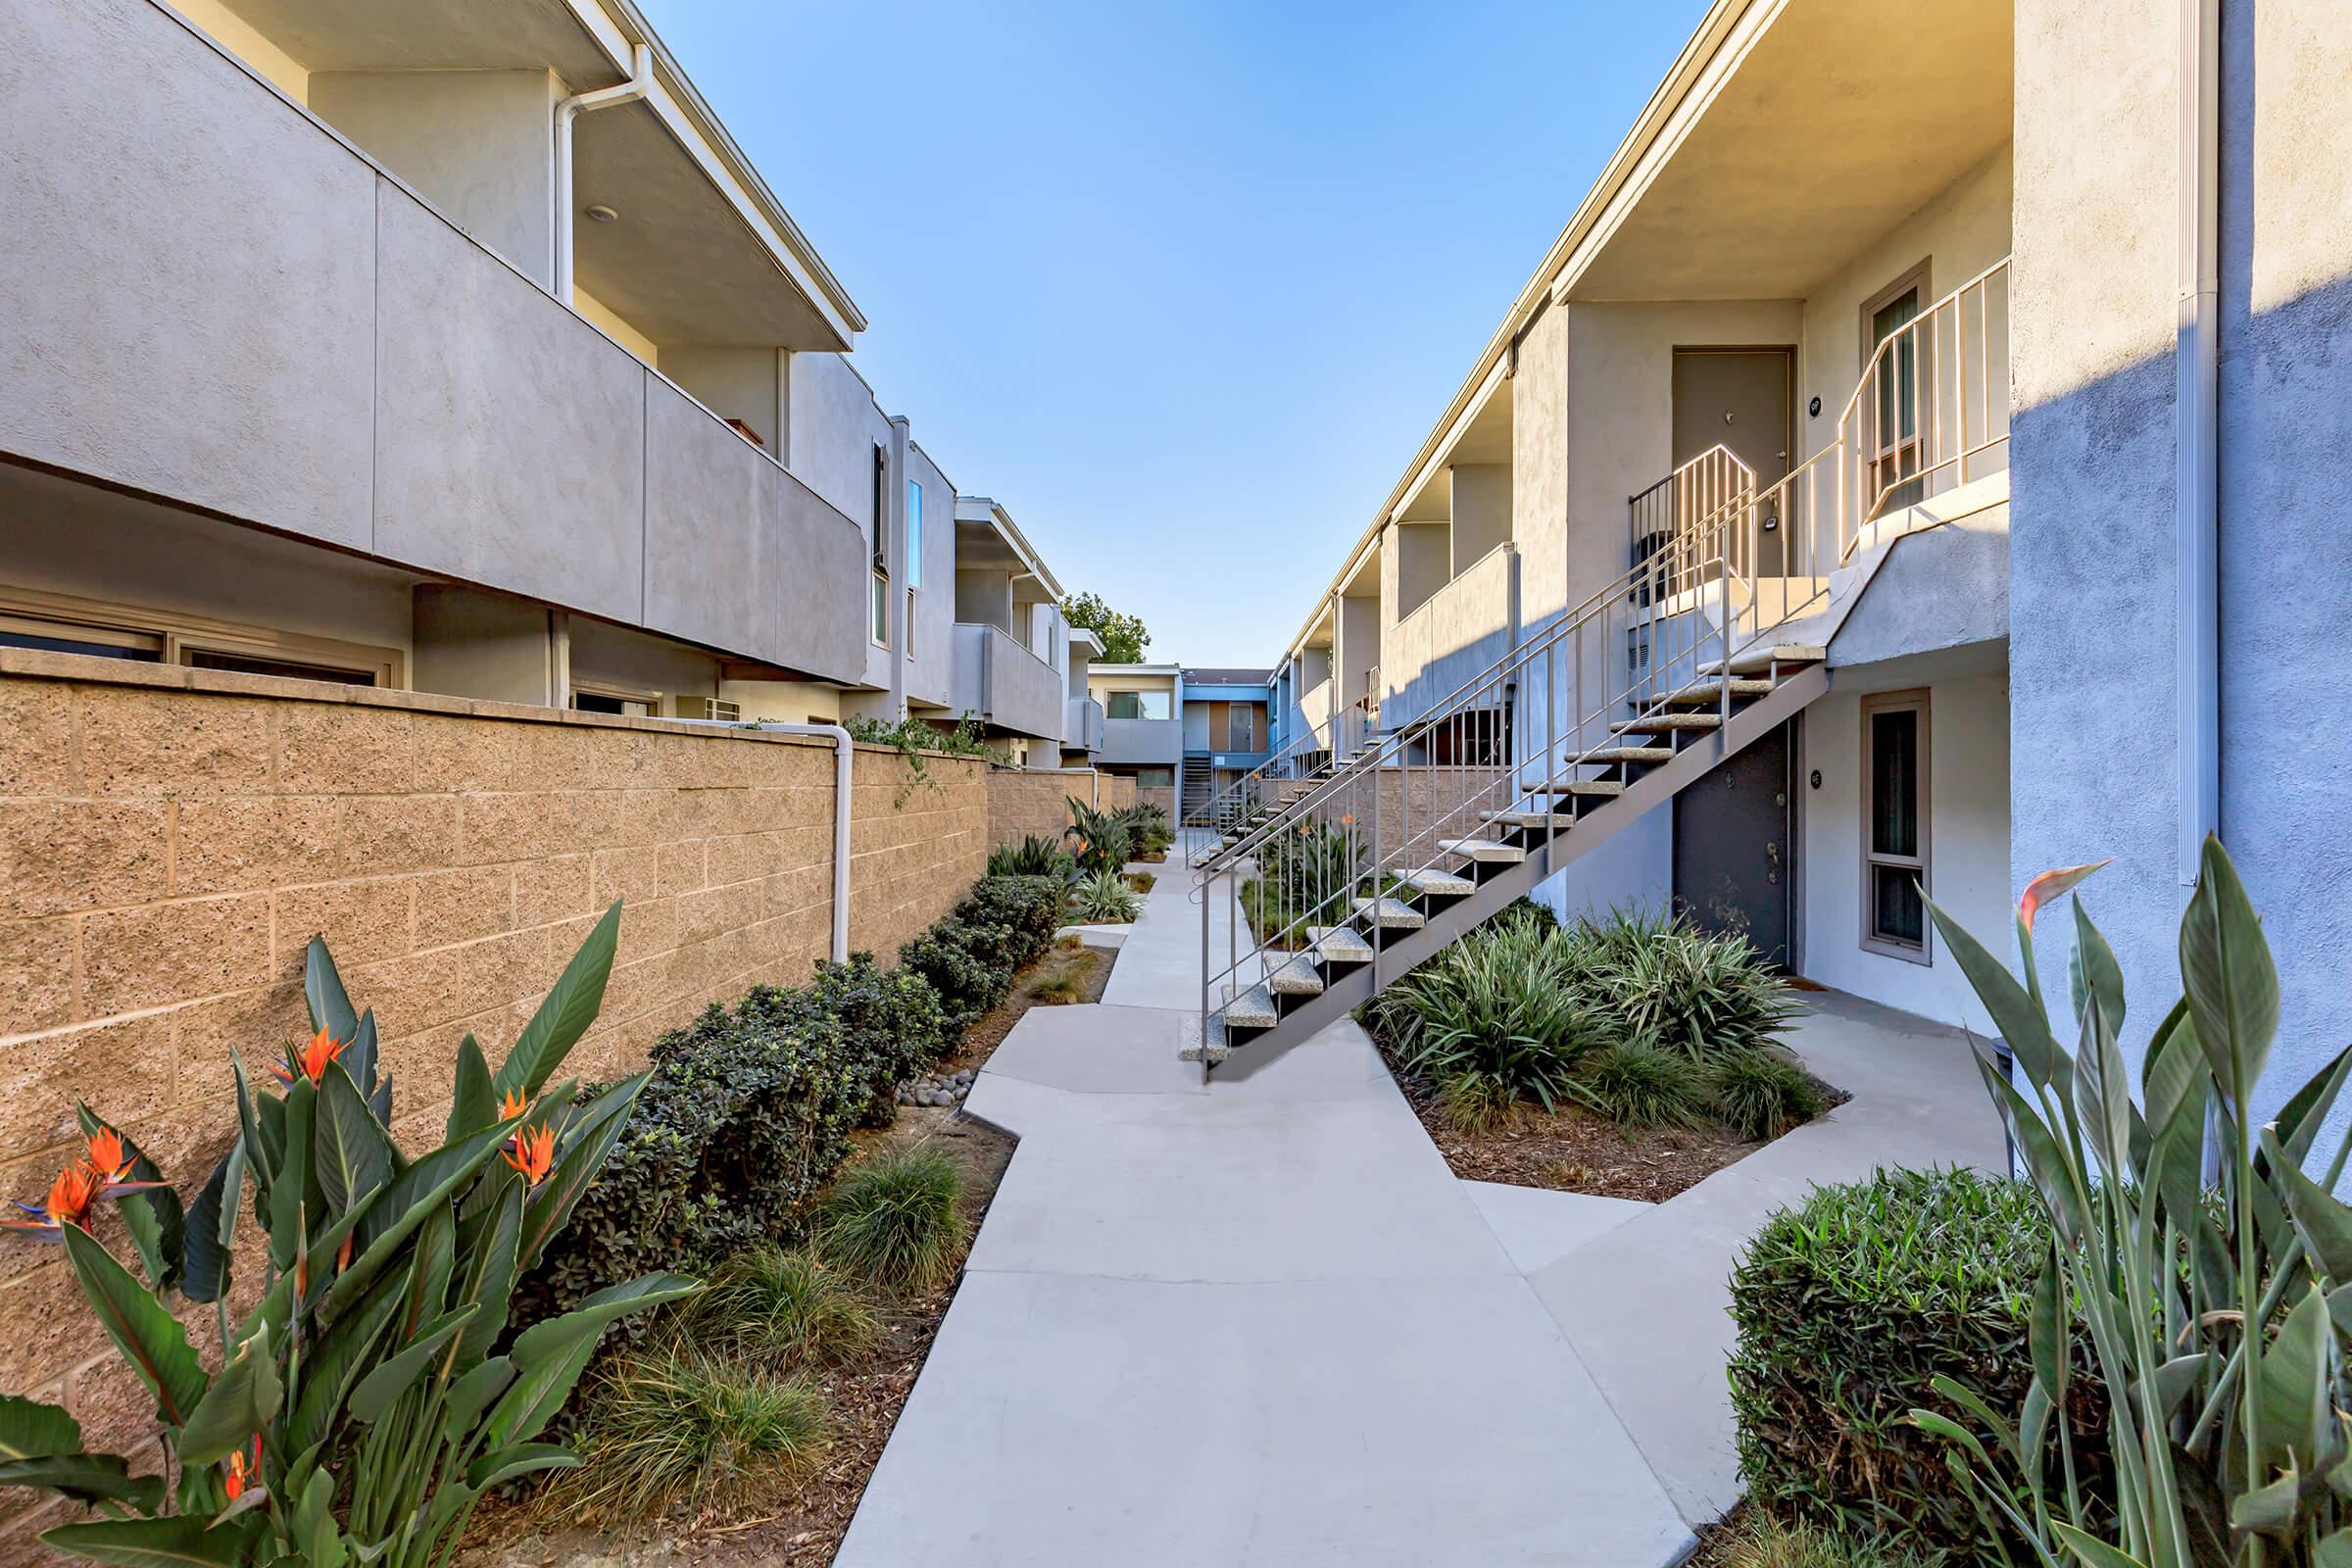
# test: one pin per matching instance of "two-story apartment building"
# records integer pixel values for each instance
(1760, 395)
(453, 349)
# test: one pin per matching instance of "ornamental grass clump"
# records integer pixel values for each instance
(374, 1393)
(677, 1431)
(782, 1307)
(1759, 1094)
(2194, 1260)
(1105, 898)
(1635, 1084)
(893, 1221)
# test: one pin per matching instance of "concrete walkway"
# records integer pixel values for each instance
(1262, 1322)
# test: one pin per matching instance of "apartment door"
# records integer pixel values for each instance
(1739, 398)
(1731, 847)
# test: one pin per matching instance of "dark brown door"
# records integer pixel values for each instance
(1738, 398)
(1731, 847)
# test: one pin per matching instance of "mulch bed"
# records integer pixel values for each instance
(803, 1523)
(1577, 1152)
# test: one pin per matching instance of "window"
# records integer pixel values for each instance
(1138, 704)
(209, 659)
(1154, 778)
(67, 625)
(1892, 436)
(71, 637)
(615, 700)
(1894, 824)
(909, 624)
(879, 614)
(915, 534)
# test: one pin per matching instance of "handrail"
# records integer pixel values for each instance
(1737, 563)
(1233, 794)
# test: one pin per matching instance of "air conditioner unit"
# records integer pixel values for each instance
(711, 708)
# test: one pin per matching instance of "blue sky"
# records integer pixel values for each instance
(1183, 284)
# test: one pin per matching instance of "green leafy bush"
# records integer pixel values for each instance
(891, 1022)
(893, 1221)
(1105, 898)
(1027, 907)
(1759, 1094)
(1104, 839)
(1686, 989)
(970, 956)
(746, 1113)
(1307, 875)
(363, 1405)
(674, 1429)
(1848, 1306)
(1148, 829)
(782, 1307)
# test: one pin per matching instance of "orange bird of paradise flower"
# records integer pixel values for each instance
(111, 1160)
(242, 1473)
(310, 1060)
(70, 1196)
(532, 1152)
(511, 1105)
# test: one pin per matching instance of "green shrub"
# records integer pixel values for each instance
(970, 956)
(1027, 907)
(782, 1307)
(893, 1221)
(966, 983)
(1494, 1020)
(673, 1430)
(891, 1021)
(1686, 989)
(1635, 1084)
(1306, 875)
(746, 1113)
(1846, 1307)
(1105, 898)
(1031, 856)
(1759, 1095)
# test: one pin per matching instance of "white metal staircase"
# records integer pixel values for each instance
(1716, 635)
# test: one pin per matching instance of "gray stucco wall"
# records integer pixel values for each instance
(928, 672)
(734, 383)
(202, 339)
(2092, 535)
(1947, 587)
(474, 143)
(211, 298)
(1480, 509)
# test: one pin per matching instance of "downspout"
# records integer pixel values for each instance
(639, 83)
(895, 508)
(843, 753)
(2196, 415)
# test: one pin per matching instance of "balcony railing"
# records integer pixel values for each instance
(1082, 724)
(1004, 684)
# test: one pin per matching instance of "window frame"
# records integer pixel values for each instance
(1916, 699)
(1893, 454)
(174, 635)
(652, 700)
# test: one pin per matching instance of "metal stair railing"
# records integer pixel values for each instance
(1525, 734)
(1231, 803)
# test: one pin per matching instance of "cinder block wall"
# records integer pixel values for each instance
(170, 839)
(1022, 802)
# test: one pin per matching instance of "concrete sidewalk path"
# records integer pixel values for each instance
(1227, 1324)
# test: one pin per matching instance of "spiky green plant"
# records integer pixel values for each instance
(672, 1430)
(1687, 990)
(1635, 1084)
(782, 1306)
(2187, 1244)
(365, 1401)
(1105, 841)
(1494, 1021)
(1759, 1094)
(1105, 898)
(1766, 1543)
(1032, 854)
(894, 1222)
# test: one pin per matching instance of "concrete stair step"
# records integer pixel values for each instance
(1339, 943)
(1663, 723)
(1760, 660)
(1297, 978)
(1484, 850)
(1253, 1008)
(1712, 691)
(1531, 821)
(1391, 915)
(1439, 884)
(1629, 753)
(1600, 788)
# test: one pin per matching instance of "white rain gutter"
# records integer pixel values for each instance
(844, 751)
(2197, 417)
(633, 90)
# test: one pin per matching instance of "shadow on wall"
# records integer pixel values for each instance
(2093, 647)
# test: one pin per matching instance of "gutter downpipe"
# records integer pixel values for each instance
(633, 90)
(2196, 415)
(844, 751)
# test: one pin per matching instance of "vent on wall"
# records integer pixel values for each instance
(711, 707)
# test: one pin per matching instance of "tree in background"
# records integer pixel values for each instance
(1123, 636)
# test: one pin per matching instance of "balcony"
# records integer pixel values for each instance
(1082, 725)
(1143, 741)
(264, 325)
(1457, 632)
(1004, 684)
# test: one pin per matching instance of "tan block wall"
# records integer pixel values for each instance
(170, 840)
(1163, 795)
(1413, 800)
(1021, 802)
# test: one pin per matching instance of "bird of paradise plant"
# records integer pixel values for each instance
(2191, 1246)
(365, 1401)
